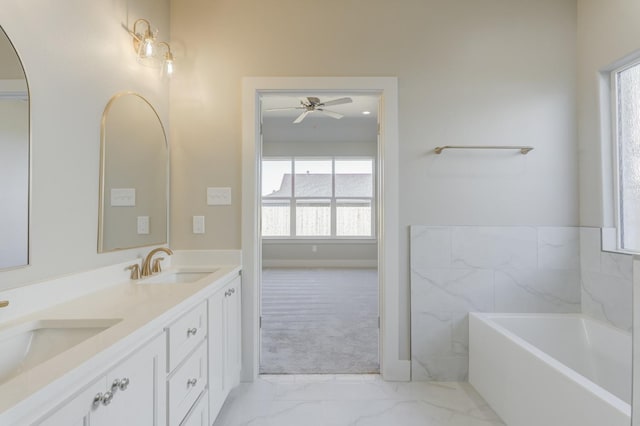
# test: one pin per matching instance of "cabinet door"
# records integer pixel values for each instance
(233, 329)
(199, 415)
(186, 385)
(81, 410)
(138, 399)
(137, 383)
(217, 389)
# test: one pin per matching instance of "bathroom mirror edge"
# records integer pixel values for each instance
(161, 238)
(21, 92)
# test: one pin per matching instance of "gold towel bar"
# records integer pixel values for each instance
(4, 303)
(523, 149)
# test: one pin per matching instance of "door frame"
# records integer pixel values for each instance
(391, 366)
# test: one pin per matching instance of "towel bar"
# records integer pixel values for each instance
(523, 149)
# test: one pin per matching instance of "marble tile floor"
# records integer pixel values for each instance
(353, 400)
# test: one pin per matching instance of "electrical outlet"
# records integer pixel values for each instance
(143, 225)
(198, 224)
(219, 196)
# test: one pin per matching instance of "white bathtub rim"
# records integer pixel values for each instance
(605, 395)
(490, 315)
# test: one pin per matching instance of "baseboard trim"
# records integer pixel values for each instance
(397, 370)
(320, 263)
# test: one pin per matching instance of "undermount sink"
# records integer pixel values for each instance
(27, 345)
(177, 277)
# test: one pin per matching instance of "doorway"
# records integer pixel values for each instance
(319, 285)
(392, 365)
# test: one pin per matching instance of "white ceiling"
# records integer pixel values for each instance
(360, 103)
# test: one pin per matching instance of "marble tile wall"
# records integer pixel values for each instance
(606, 281)
(460, 269)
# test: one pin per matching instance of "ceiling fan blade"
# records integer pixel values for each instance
(283, 109)
(339, 101)
(301, 117)
(330, 113)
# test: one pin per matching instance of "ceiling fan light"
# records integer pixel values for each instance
(312, 104)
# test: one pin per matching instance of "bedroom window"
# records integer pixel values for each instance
(626, 124)
(313, 197)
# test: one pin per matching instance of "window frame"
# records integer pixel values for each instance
(333, 200)
(616, 157)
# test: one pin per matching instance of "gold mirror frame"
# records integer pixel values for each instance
(20, 223)
(118, 223)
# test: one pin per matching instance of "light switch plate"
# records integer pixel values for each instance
(143, 225)
(198, 224)
(219, 196)
(123, 197)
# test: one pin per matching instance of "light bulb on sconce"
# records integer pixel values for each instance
(148, 48)
(167, 63)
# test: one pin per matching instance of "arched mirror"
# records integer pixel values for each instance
(133, 175)
(14, 158)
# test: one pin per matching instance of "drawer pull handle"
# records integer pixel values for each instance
(104, 398)
(192, 332)
(97, 399)
(227, 293)
(233, 290)
(107, 397)
(124, 383)
(120, 384)
(192, 382)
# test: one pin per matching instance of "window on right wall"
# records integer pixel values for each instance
(626, 125)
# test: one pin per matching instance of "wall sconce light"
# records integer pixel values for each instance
(147, 49)
(167, 62)
(143, 43)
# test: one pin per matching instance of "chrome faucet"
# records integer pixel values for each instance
(146, 264)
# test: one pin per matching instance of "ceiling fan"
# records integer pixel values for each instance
(312, 104)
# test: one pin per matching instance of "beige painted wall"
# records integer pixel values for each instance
(469, 72)
(76, 56)
(608, 30)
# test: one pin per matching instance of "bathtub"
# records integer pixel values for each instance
(551, 369)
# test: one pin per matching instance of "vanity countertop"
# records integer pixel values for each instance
(143, 310)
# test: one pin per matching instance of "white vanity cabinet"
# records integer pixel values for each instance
(187, 348)
(129, 394)
(172, 360)
(233, 318)
(225, 356)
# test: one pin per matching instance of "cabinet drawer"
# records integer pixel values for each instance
(186, 384)
(199, 414)
(185, 334)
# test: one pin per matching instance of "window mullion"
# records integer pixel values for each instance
(292, 206)
(333, 214)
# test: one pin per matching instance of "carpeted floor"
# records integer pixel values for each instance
(319, 321)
